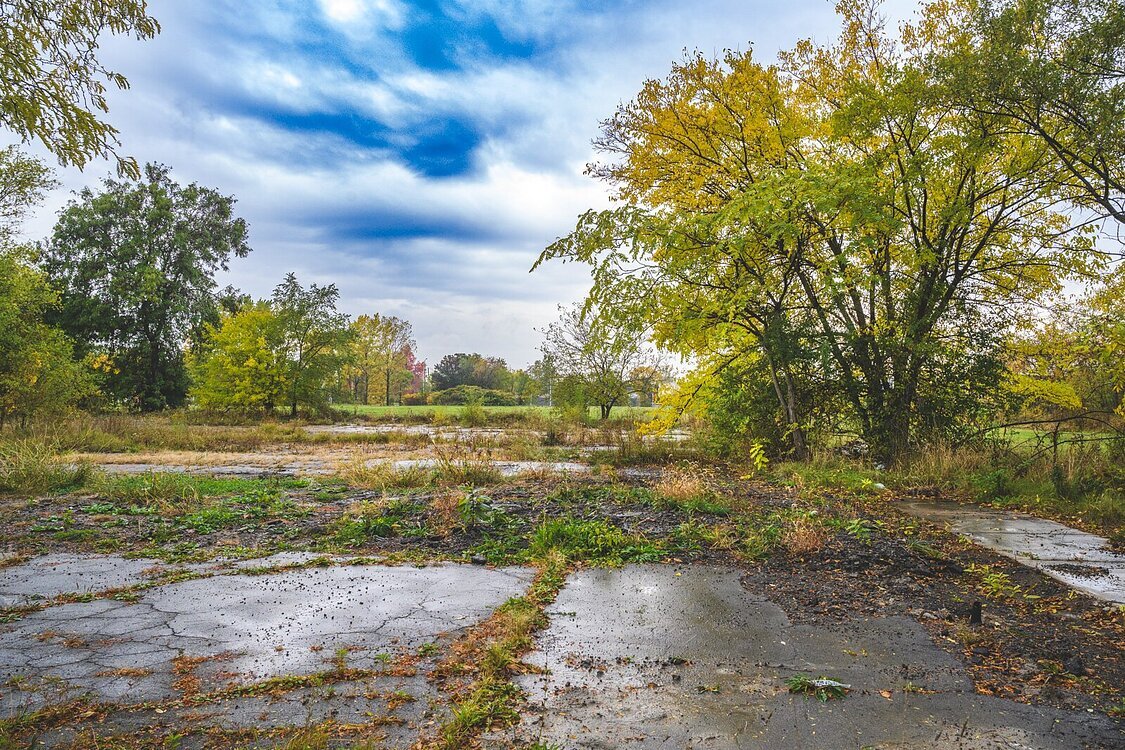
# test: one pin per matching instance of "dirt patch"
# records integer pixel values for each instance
(1039, 641)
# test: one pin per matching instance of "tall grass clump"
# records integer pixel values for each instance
(34, 466)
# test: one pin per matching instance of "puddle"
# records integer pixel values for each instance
(305, 468)
(1078, 559)
(506, 468)
(442, 432)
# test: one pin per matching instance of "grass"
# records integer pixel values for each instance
(1084, 487)
(490, 655)
(594, 541)
(156, 488)
(33, 466)
(366, 521)
(822, 688)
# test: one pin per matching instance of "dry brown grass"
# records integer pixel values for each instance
(444, 515)
(124, 672)
(802, 536)
(681, 483)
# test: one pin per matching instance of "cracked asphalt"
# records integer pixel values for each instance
(231, 629)
(644, 656)
(659, 656)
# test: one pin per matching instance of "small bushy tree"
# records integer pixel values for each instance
(240, 366)
(598, 359)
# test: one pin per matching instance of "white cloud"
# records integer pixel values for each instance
(310, 195)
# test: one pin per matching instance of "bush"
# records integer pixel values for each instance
(464, 394)
(414, 399)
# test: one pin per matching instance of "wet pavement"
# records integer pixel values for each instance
(284, 469)
(663, 657)
(1078, 559)
(644, 656)
(210, 634)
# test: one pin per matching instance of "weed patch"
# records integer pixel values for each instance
(592, 541)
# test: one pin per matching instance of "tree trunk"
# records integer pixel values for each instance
(388, 399)
(889, 437)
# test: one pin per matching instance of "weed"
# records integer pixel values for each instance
(823, 688)
(594, 541)
(992, 582)
(379, 519)
(804, 534)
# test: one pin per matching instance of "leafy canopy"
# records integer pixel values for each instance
(53, 87)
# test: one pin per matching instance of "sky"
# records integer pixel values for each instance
(417, 154)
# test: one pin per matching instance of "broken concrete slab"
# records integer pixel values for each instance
(1078, 559)
(659, 657)
(250, 471)
(241, 628)
(47, 576)
(392, 709)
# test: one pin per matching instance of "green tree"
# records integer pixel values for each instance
(23, 182)
(543, 374)
(1051, 69)
(135, 268)
(242, 366)
(597, 358)
(831, 211)
(314, 342)
(381, 351)
(52, 85)
(470, 369)
(37, 372)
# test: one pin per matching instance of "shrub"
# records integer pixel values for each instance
(464, 394)
(415, 399)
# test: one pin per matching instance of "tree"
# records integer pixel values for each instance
(135, 267)
(520, 384)
(23, 182)
(313, 343)
(470, 369)
(597, 357)
(37, 372)
(381, 347)
(1051, 69)
(543, 374)
(831, 214)
(242, 366)
(52, 85)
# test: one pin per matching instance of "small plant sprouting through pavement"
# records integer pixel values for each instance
(823, 688)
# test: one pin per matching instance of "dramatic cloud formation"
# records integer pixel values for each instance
(419, 154)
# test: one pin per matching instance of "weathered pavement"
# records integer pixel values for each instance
(1080, 560)
(663, 657)
(206, 635)
(651, 656)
